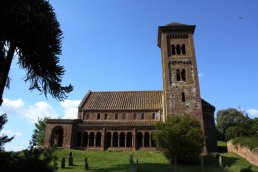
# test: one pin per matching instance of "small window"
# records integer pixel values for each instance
(183, 76)
(87, 116)
(153, 116)
(178, 49)
(183, 96)
(106, 116)
(142, 116)
(116, 116)
(134, 116)
(183, 49)
(98, 116)
(123, 115)
(178, 75)
(173, 49)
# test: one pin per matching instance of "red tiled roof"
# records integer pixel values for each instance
(122, 100)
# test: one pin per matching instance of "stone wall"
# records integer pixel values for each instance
(249, 155)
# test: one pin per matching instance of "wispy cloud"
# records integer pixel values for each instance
(200, 74)
(253, 113)
(10, 133)
(39, 110)
(70, 108)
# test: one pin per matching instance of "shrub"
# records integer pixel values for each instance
(250, 142)
(180, 138)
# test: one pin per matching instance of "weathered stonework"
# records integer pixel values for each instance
(249, 155)
(125, 119)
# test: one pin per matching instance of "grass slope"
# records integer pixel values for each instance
(149, 161)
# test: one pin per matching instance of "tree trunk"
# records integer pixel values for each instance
(5, 68)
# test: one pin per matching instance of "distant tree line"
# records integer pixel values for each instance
(236, 125)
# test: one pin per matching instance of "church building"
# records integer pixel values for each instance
(124, 120)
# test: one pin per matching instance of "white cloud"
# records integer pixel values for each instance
(200, 74)
(30, 112)
(39, 110)
(253, 113)
(11, 133)
(70, 108)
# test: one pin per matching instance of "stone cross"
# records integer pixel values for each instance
(63, 162)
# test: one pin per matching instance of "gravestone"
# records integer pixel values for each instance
(63, 162)
(220, 161)
(137, 165)
(86, 165)
(70, 159)
(131, 162)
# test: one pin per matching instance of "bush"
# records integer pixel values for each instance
(34, 159)
(250, 142)
(180, 138)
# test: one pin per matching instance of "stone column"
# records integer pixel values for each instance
(125, 140)
(134, 139)
(118, 140)
(95, 140)
(88, 141)
(103, 139)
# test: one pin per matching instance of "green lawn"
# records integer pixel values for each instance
(149, 161)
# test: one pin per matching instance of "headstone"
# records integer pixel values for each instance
(86, 165)
(137, 165)
(70, 159)
(220, 161)
(131, 162)
(63, 162)
(202, 163)
(175, 163)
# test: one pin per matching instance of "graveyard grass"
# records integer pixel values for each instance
(149, 161)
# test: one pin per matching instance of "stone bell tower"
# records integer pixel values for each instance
(181, 92)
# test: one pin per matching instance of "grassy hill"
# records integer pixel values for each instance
(149, 161)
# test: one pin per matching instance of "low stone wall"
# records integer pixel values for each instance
(249, 155)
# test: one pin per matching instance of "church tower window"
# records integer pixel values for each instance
(106, 116)
(134, 116)
(98, 116)
(123, 115)
(183, 49)
(178, 75)
(153, 115)
(142, 116)
(116, 116)
(173, 49)
(178, 49)
(183, 76)
(183, 96)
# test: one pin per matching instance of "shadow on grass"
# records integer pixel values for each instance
(152, 167)
(211, 164)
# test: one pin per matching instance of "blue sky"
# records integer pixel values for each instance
(112, 45)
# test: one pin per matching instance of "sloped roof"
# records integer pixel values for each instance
(125, 100)
(122, 100)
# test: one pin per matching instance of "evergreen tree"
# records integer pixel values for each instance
(30, 32)
(39, 132)
(3, 138)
